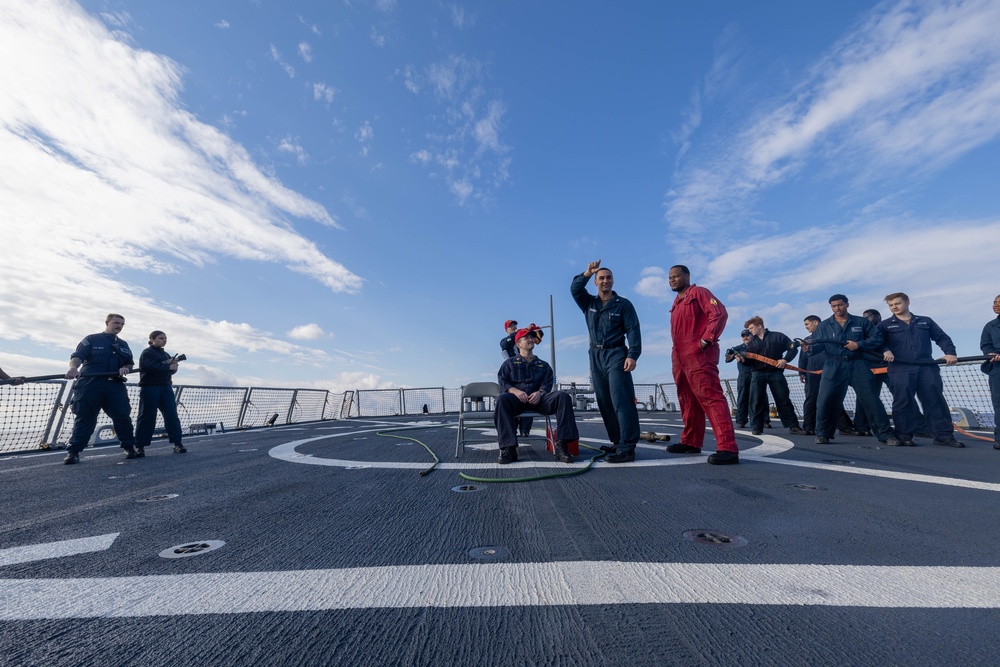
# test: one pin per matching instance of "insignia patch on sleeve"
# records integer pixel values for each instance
(714, 302)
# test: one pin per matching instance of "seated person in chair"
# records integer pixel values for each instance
(526, 384)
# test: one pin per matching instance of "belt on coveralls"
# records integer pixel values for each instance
(606, 347)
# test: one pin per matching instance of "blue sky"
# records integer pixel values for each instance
(357, 194)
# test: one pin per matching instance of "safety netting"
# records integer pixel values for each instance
(267, 407)
(27, 413)
(308, 405)
(379, 402)
(210, 405)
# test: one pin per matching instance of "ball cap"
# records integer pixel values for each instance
(506, 325)
(745, 332)
(533, 330)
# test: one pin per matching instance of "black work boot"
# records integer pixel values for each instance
(140, 452)
(180, 449)
(561, 453)
(130, 452)
(507, 455)
(621, 457)
(71, 457)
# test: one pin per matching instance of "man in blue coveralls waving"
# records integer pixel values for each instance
(101, 362)
(913, 373)
(611, 320)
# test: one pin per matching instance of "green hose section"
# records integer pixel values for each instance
(426, 471)
(555, 475)
(495, 480)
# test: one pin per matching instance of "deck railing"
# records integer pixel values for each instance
(37, 415)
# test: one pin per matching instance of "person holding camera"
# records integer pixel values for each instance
(99, 365)
(156, 392)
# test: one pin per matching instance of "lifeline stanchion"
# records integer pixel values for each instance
(535, 478)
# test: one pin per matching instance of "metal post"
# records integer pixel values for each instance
(552, 342)
(44, 444)
(291, 407)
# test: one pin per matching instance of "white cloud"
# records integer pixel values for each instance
(323, 92)
(912, 88)
(365, 134)
(287, 145)
(420, 157)
(276, 57)
(378, 39)
(467, 143)
(487, 129)
(222, 25)
(654, 285)
(305, 51)
(459, 18)
(313, 28)
(103, 171)
(311, 331)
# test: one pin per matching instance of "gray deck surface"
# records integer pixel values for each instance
(331, 559)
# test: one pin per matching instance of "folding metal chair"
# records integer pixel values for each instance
(478, 403)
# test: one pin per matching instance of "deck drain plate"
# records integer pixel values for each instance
(191, 549)
(715, 538)
(839, 461)
(489, 553)
(807, 487)
(155, 499)
(466, 488)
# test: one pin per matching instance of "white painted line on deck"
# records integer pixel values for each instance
(60, 549)
(889, 474)
(503, 585)
(769, 446)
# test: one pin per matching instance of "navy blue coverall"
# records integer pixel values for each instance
(156, 392)
(609, 325)
(529, 377)
(508, 349)
(813, 360)
(989, 343)
(100, 387)
(773, 345)
(861, 422)
(911, 342)
(743, 376)
(845, 368)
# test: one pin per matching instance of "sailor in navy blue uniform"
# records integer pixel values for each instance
(812, 359)
(99, 365)
(156, 392)
(907, 339)
(611, 320)
(777, 346)
(845, 367)
(507, 350)
(743, 376)
(526, 384)
(989, 343)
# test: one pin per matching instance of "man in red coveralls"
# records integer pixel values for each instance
(697, 320)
